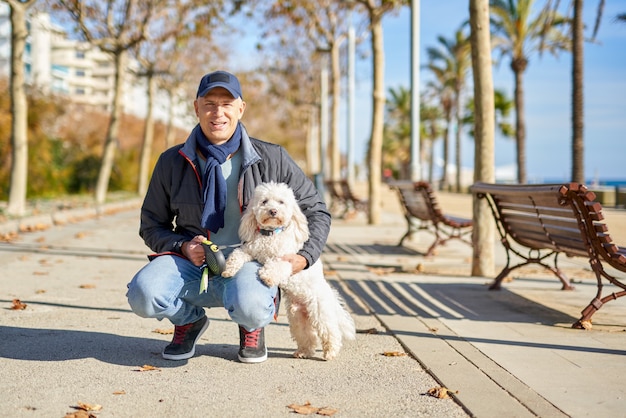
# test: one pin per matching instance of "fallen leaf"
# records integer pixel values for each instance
(306, 409)
(419, 268)
(18, 305)
(328, 412)
(164, 331)
(433, 330)
(586, 324)
(119, 392)
(79, 235)
(40, 273)
(440, 392)
(87, 286)
(367, 331)
(147, 368)
(394, 354)
(40, 239)
(381, 271)
(39, 291)
(87, 406)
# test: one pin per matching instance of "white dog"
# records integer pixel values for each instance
(272, 226)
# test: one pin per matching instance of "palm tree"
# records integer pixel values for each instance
(455, 55)
(440, 89)
(518, 34)
(397, 132)
(503, 105)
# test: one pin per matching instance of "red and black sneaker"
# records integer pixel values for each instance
(183, 345)
(252, 345)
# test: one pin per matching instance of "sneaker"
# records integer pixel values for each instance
(183, 345)
(252, 345)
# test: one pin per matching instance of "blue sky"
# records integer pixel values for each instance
(548, 92)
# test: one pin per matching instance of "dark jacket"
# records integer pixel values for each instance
(172, 208)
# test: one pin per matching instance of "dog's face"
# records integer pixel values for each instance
(273, 205)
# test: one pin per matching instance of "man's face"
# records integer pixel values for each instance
(218, 113)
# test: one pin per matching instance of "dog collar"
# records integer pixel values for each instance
(269, 232)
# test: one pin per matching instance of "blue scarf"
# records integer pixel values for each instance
(214, 184)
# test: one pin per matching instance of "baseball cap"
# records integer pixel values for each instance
(219, 79)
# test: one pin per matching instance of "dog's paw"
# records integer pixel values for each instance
(230, 270)
(301, 353)
(329, 355)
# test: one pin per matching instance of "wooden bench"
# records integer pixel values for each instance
(422, 212)
(343, 200)
(551, 219)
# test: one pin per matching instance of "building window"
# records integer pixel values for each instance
(80, 73)
(80, 91)
(80, 54)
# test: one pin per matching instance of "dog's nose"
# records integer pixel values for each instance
(273, 212)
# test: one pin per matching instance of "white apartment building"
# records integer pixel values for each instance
(62, 66)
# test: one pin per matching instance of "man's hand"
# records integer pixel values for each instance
(193, 250)
(298, 263)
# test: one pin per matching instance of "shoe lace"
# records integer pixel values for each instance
(251, 338)
(180, 332)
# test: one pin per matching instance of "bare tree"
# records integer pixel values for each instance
(484, 132)
(168, 34)
(376, 10)
(19, 109)
(114, 26)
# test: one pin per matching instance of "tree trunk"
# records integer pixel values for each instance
(578, 168)
(19, 111)
(170, 133)
(378, 115)
(335, 151)
(519, 66)
(148, 139)
(483, 258)
(457, 137)
(111, 141)
(445, 181)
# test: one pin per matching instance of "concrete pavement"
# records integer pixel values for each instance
(506, 353)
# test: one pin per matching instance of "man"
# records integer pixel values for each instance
(198, 191)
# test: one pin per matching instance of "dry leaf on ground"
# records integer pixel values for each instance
(308, 409)
(440, 392)
(119, 392)
(87, 286)
(394, 354)
(18, 305)
(87, 406)
(147, 368)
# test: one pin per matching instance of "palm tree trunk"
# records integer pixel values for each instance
(378, 115)
(457, 141)
(578, 170)
(445, 181)
(519, 66)
(483, 256)
(335, 167)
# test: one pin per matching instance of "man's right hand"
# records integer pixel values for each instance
(193, 250)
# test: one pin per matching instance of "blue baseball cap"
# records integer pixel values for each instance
(219, 79)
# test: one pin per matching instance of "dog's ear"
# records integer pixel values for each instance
(247, 226)
(301, 224)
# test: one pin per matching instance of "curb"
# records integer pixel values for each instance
(61, 217)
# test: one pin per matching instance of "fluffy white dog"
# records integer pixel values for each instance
(273, 225)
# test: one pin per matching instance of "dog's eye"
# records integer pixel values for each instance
(265, 201)
(282, 202)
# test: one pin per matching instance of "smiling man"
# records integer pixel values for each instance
(197, 192)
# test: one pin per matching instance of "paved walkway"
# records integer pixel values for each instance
(508, 353)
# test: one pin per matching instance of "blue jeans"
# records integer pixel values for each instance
(168, 287)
